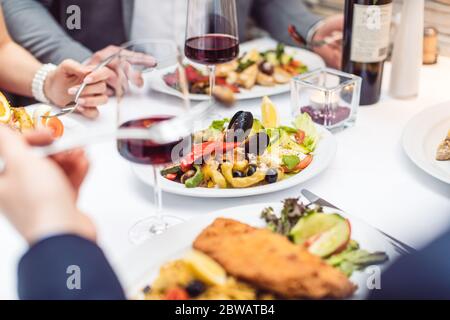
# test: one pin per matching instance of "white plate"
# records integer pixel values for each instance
(323, 155)
(421, 139)
(139, 268)
(310, 59)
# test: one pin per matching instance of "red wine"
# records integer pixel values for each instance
(145, 151)
(366, 44)
(212, 49)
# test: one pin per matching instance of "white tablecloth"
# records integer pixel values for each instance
(370, 177)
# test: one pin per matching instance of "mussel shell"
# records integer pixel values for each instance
(257, 144)
(240, 126)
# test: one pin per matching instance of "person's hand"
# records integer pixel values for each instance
(332, 54)
(132, 58)
(38, 196)
(62, 84)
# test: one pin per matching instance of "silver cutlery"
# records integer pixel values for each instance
(400, 247)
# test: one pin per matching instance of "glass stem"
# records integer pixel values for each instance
(212, 78)
(157, 194)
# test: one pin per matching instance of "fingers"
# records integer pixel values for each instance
(11, 143)
(88, 112)
(75, 165)
(99, 75)
(39, 138)
(75, 68)
(93, 101)
(92, 89)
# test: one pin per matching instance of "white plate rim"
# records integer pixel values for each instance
(417, 128)
(324, 155)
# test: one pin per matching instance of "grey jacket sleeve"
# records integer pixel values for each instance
(33, 27)
(275, 16)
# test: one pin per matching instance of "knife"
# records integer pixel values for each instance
(314, 199)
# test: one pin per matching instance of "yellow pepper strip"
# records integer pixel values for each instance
(24, 119)
(227, 171)
(240, 165)
(216, 177)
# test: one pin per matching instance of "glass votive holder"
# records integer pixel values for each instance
(329, 96)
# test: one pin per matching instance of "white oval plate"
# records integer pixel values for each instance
(422, 136)
(312, 60)
(141, 266)
(324, 154)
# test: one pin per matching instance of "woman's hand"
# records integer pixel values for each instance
(38, 195)
(63, 83)
(332, 53)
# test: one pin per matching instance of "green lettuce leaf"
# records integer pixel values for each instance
(306, 124)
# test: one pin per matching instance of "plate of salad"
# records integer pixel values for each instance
(244, 156)
(263, 68)
(339, 254)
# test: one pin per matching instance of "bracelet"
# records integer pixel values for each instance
(37, 87)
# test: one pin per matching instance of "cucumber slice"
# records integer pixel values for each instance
(323, 234)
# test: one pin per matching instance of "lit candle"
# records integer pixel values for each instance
(320, 100)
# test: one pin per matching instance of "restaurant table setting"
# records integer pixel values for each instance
(355, 181)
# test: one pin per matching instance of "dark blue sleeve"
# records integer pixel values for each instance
(67, 267)
(425, 275)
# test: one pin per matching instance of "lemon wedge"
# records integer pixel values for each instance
(5, 109)
(269, 113)
(205, 268)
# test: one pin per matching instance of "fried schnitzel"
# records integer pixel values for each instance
(270, 261)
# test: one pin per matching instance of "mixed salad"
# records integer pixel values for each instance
(325, 235)
(244, 152)
(266, 68)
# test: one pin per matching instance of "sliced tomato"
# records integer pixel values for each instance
(300, 136)
(176, 294)
(171, 176)
(304, 163)
(55, 126)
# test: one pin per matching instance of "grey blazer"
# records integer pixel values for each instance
(32, 24)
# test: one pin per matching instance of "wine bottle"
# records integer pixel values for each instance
(366, 44)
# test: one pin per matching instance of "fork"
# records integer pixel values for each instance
(72, 106)
(398, 245)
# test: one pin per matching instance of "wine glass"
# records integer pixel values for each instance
(211, 34)
(141, 108)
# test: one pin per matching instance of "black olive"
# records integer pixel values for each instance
(146, 290)
(267, 68)
(271, 176)
(195, 288)
(238, 174)
(251, 170)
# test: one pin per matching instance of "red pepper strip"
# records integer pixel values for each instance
(304, 163)
(300, 136)
(171, 176)
(204, 150)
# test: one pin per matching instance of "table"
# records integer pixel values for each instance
(370, 177)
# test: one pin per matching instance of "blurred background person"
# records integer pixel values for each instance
(21, 72)
(46, 27)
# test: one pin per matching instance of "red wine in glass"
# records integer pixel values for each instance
(212, 49)
(146, 151)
